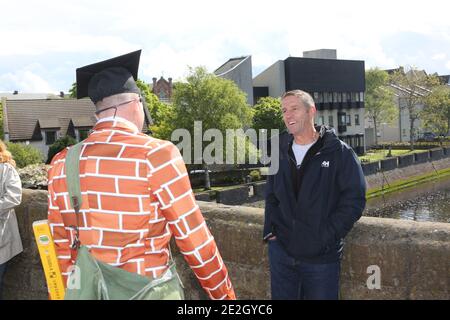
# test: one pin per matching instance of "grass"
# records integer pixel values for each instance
(407, 183)
(376, 155)
(213, 189)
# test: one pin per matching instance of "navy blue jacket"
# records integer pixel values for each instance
(312, 223)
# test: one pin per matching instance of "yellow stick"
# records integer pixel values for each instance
(49, 259)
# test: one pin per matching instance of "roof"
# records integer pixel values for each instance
(49, 123)
(23, 115)
(391, 71)
(229, 65)
(28, 96)
(83, 121)
(445, 79)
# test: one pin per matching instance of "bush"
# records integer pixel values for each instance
(59, 145)
(406, 145)
(24, 155)
(255, 175)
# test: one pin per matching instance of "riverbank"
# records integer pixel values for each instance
(407, 183)
(429, 201)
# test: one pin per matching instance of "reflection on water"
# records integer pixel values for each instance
(426, 202)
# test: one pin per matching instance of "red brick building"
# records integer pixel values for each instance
(163, 89)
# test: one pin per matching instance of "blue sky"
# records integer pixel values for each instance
(43, 42)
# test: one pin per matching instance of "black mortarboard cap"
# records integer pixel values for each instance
(109, 77)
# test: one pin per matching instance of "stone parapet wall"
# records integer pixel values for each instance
(412, 256)
(382, 178)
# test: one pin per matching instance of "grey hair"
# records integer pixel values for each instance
(304, 97)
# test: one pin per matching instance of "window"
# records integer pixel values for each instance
(349, 120)
(320, 97)
(341, 119)
(356, 119)
(316, 97)
(361, 96)
(348, 97)
(339, 97)
(50, 137)
(355, 97)
(321, 121)
(330, 121)
(335, 96)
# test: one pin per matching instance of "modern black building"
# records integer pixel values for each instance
(337, 87)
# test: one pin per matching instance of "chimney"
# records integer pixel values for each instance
(154, 85)
(170, 87)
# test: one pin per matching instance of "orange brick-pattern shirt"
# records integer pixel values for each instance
(136, 194)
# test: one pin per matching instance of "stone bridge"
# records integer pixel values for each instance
(413, 257)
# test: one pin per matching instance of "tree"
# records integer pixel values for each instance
(218, 103)
(73, 90)
(413, 88)
(267, 114)
(23, 154)
(163, 121)
(379, 105)
(59, 145)
(153, 104)
(436, 114)
(2, 133)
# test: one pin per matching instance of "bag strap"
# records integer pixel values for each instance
(73, 185)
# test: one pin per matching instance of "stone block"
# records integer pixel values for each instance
(389, 164)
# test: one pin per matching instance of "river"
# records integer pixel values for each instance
(425, 202)
(429, 201)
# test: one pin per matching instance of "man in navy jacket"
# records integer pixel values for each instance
(312, 203)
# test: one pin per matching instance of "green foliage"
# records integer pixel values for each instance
(2, 134)
(163, 121)
(59, 145)
(379, 104)
(267, 114)
(417, 144)
(215, 101)
(73, 90)
(436, 114)
(255, 175)
(415, 88)
(24, 155)
(158, 110)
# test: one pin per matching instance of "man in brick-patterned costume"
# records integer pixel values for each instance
(135, 189)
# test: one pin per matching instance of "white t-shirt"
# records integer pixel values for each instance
(300, 151)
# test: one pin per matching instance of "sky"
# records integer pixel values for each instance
(43, 42)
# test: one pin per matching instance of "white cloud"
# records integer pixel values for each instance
(24, 81)
(447, 65)
(439, 56)
(37, 42)
(180, 33)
